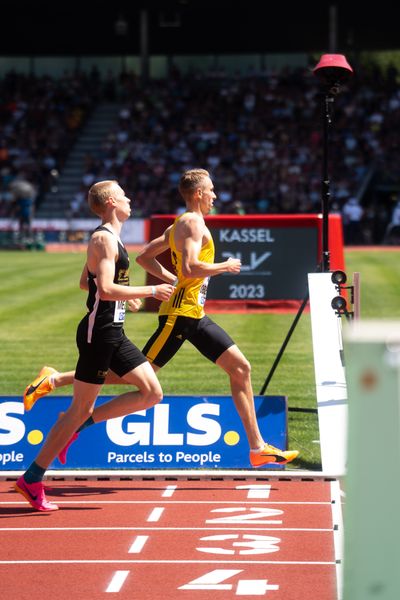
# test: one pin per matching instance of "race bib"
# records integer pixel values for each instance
(203, 292)
(119, 311)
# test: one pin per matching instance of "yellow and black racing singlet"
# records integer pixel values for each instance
(190, 295)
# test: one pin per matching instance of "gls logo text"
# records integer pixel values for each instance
(125, 432)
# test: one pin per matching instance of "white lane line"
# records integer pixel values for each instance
(61, 501)
(117, 581)
(138, 544)
(155, 514)
(167, 562)
(139, 528)
(169, 491)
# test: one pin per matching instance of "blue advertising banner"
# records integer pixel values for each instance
(182, 432)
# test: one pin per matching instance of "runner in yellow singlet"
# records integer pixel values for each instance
(182, 317)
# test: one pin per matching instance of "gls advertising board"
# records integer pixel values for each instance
(277, 253)
(182, 432)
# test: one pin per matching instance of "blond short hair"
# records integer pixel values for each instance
(191, 180)
(98, 194)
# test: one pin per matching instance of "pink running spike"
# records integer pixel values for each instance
(34, 493)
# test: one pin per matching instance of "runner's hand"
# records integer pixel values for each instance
(134, 304)
(164, 291)
(233, 265)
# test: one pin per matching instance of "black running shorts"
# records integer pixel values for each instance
(208, 337)
(96, 358)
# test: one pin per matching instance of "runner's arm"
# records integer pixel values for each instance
(102, 254)
(193, 232)
(147, 257)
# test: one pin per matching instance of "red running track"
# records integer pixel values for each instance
(176, 539)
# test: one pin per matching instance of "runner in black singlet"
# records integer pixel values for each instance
(101, 341)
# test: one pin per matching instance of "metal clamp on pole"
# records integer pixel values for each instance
(339, 303)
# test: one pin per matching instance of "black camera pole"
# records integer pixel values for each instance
(325, 258)
(332, 70)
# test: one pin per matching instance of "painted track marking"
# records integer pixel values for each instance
(61, 501)
(123, 561)
(169, 491)
(117, 581)
(155, 514)
(136, 528)
(138, 544)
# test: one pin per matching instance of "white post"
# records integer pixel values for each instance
(330, 379)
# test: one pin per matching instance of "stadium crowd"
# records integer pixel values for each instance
(40, 118)
(260, 135)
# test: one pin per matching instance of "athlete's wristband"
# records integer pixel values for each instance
(153, 290)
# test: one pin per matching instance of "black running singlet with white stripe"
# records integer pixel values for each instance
(106, 317)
